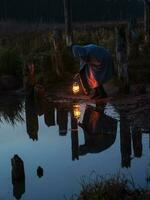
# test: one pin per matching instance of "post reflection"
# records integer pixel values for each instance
(49, 114)
(74, 135)
(125, 141)
(137, 141)
(32, 124)
(130, 138)
(62, 119)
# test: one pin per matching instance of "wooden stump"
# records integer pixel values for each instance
(40, 172)
(18, 176)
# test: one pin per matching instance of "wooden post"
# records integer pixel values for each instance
(29, 79)
(147, 18)
(57, 55)
(125, 141)
(62, 120)
(68, 21)
(122, 59)
(132, 39)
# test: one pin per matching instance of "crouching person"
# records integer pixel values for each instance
(96, 69)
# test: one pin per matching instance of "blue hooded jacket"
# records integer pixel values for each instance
(101, 74)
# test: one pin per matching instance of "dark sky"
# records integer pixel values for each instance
(83, 10)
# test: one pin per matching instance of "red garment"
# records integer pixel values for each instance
(91, 79)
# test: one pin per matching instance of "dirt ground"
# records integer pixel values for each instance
(136, 110)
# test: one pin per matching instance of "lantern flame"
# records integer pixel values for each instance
(76, 111)
(75, 88)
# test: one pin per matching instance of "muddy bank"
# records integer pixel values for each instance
(136, 110)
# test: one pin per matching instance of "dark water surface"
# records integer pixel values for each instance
(67, 141)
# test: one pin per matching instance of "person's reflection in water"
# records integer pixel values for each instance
(32, 124)
(62, 120)
(137, 142)
(99, 130)
(125, 141)
(18, 177)
(74, 138)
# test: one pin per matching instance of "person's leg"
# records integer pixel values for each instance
(102, 91)
(99, 92)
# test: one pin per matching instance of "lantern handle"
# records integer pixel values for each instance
(76, 76)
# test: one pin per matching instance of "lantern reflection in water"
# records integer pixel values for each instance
(75, 87)
(76, 111)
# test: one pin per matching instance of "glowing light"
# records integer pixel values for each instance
(75, 87)
(76, 111)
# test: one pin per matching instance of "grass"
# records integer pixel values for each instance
(11, 110)
(116, 187)
(10, 62)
